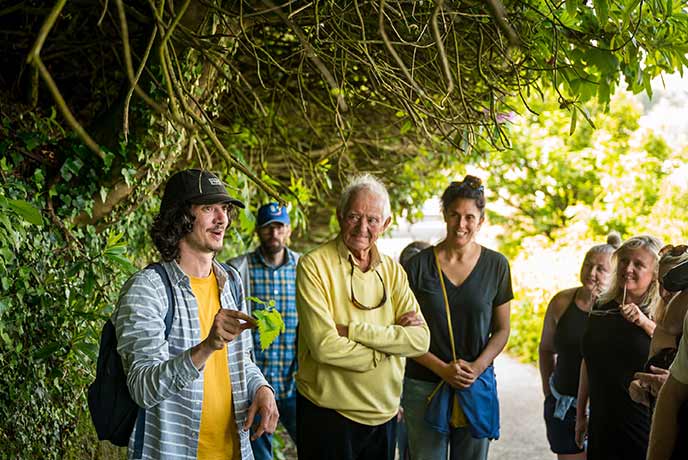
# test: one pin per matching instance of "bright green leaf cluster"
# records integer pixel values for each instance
(270, 323)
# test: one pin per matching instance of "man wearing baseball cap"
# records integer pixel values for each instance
(269, 273)
(196, 382)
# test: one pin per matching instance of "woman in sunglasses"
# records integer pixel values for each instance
(615, 346)
(464, 291)
(560, 344)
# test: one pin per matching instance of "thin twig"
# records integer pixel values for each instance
(440, 48)
(393, 52)
(130, 70)
(130, 92)
(34, 58)
(497, 12)
(313, 57)
(102, 15)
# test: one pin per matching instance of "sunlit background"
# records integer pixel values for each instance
(541, 267)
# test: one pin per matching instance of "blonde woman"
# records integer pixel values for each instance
(560, 347)
(669, 316)
(615, 346)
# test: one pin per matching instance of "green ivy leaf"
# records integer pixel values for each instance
(406, 127)
(27, 211)
(47, 351)
(270, 325)
(89, 349)
(122, 262)
(602, 10)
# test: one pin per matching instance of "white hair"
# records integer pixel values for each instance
(365, 182)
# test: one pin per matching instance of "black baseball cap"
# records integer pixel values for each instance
(196, 187)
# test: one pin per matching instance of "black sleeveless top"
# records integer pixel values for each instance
(614, 349)
(567, 346)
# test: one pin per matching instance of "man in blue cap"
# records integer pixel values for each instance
(269, 273)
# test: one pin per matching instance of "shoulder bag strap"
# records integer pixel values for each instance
(446, 302)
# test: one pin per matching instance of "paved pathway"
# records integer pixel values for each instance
(522, 427)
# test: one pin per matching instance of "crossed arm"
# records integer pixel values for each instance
(356, 346)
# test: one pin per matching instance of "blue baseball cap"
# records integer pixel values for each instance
(272, 212)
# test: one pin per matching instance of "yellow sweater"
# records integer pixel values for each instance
(360, 376)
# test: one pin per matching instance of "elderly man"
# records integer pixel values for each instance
(198, 386)
(358, 321)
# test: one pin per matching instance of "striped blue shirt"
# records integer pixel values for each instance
(278, 361)
(160, 374)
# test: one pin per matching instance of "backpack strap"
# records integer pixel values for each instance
(160, 270)
(141, 419)
(234, 282)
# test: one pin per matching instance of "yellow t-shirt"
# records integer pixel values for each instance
(218, 439)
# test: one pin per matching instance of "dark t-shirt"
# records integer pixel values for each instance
(471, 305)
(614, 349)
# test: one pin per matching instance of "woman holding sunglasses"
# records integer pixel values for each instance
(615, 346)
(560, 344)
(464, 292)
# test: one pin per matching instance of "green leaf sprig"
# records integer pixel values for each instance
(269, 319)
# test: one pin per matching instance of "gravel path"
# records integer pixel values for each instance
(522, 427)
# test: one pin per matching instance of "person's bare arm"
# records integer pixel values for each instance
(664, 424)
(446, 371)
(582, 405)
(546, 353)
(499, 335)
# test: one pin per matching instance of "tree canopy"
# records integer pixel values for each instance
(294, 97)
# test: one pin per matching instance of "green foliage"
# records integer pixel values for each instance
(58, 285)
(589, 46)
(527, 314)
(270, 322)
(609, 178)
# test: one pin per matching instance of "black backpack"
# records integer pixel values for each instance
(112, 410)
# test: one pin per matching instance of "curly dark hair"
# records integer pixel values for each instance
(470, 187)
(169, 227)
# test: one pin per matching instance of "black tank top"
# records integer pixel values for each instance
(567, 345)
